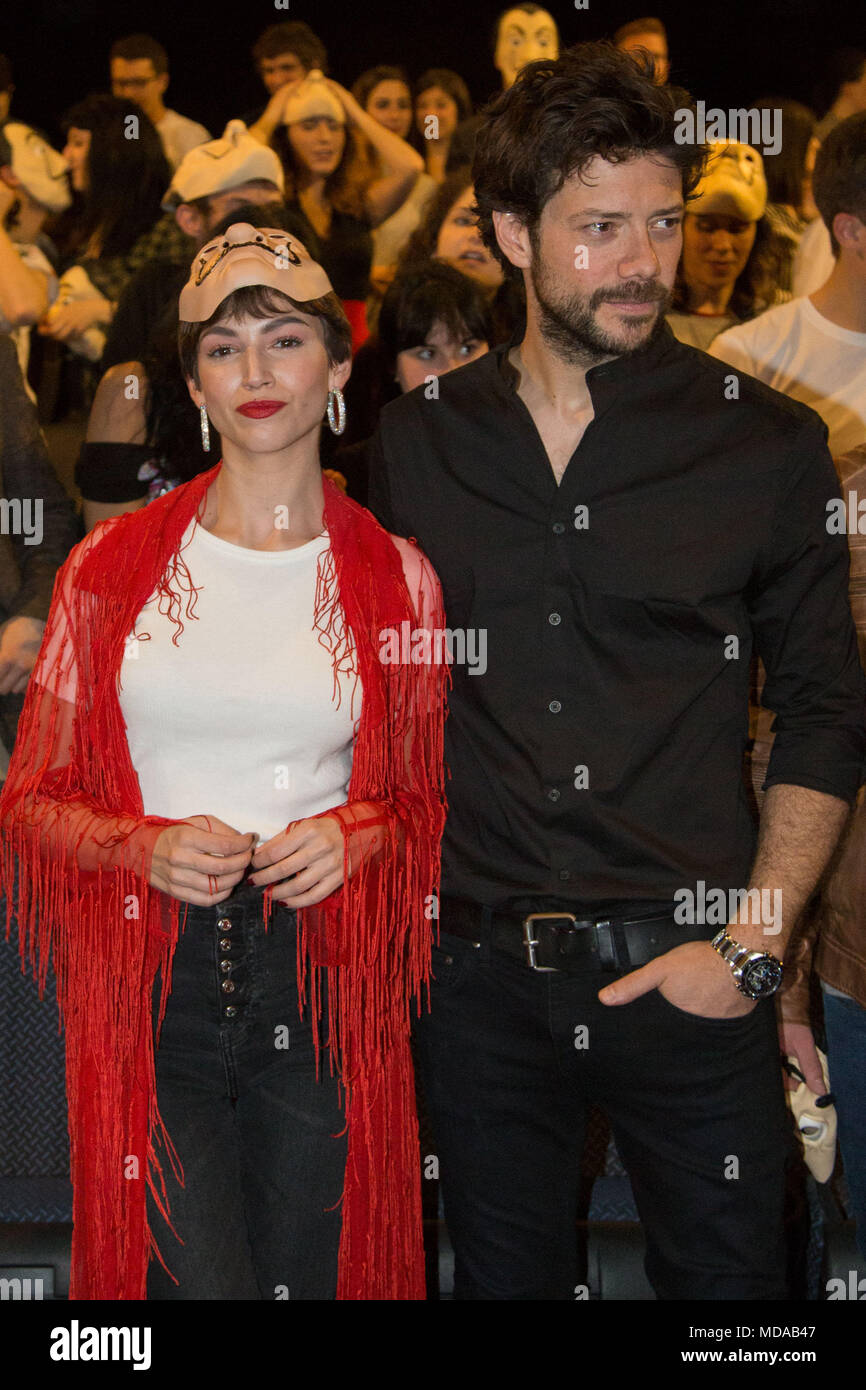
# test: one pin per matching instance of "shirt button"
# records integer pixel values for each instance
(224, 924)
(558, 528)
(554, 619)
(565, 875)
(225, 944)
(554, 707)
(230, 1011)
(553, 793)
(225, 966)
(227, 987)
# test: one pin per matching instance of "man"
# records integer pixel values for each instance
(616, 534)
(213, 180)
(139, 70)
(524, 34)
(283, 53)
(814, 349)
(840, 93)
(286, 52)
(646, 36)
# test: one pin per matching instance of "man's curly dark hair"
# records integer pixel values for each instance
(558, 116)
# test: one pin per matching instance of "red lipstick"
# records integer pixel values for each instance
(260, 410)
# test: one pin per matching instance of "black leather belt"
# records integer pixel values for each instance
(561, 941)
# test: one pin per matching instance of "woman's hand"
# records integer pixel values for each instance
(305, 862)
(200, 860)
(271, 117)
(20, 640)
(67, 321)
(345, 98)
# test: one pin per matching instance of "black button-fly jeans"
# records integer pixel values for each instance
(253, 1128)
(510, 1060)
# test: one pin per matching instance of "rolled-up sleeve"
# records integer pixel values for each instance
(804, 632)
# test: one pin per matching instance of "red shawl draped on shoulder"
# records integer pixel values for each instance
(73, 825)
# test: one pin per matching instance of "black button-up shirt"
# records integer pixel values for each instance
(597, 761)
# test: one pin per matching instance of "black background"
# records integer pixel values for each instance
(728, 52)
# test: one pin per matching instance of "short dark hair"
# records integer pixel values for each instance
(5, 73)
(450, 82)
(842, 66)
(137, 46)
(593, 100)
(292, 37)
(650, 25)
(423, 295)
(839, 180)
(262, 302)
(364, 85)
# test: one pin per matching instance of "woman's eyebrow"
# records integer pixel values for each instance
(227, 331)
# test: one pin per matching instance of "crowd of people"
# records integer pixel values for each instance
(654, 345)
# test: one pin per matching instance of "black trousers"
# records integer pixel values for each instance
(510, 1060)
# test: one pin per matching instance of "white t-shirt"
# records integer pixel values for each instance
(799, 352)
(239, 719)
(391, 236)
(179, 135)
(698, 330)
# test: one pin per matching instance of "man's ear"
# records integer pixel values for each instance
(513, 238)
(849, 231)
(190, 220)
(9, 176)
(163, 84)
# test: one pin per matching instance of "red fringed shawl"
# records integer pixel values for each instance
(72, 819)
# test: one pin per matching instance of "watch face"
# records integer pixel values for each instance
(762, 977)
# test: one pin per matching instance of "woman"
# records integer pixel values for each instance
(791, 206)
(245, 610)
(384, 93)
(433, 319)
(725, 275)
(142, 439)
(332, 183)
(449, 233)
(442, 101)
(119, 175)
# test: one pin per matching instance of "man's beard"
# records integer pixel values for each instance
(568, 323)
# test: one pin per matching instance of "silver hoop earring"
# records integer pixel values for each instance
(205, 428)
(341, 411)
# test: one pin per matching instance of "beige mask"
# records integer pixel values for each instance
(247, 255)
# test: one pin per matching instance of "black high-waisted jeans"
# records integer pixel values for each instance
(253, 1128)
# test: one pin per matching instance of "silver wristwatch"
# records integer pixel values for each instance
(756, 974)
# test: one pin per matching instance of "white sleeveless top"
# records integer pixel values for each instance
(239, 719)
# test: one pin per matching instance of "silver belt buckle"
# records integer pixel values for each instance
(530, 941)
